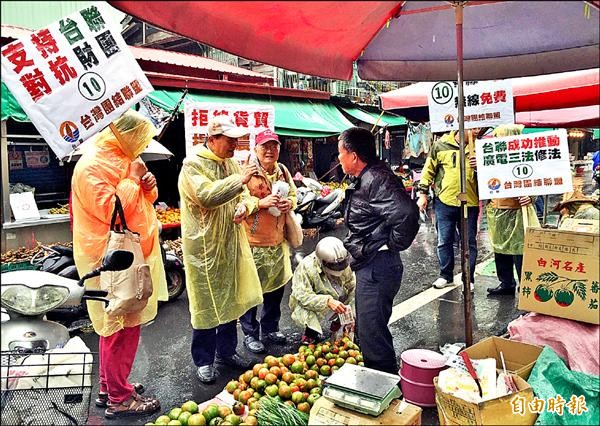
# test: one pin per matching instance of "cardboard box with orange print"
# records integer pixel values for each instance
(560, 274)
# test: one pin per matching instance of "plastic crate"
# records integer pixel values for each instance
(17, 266)
(43, 389)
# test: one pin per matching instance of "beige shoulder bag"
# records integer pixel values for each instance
(130, 289)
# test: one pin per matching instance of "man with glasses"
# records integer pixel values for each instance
(222, 282)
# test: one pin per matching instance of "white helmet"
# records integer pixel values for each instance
(333, 255)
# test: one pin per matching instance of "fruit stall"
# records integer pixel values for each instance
(279, 391)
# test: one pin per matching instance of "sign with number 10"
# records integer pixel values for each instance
(74, 77)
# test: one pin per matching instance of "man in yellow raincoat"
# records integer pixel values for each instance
(222, 282)
(113, 167)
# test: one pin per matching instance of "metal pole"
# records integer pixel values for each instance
(5, 175)
(464, 247)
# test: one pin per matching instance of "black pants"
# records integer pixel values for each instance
(222, 339)
(377, 283)
(504, 268)
(269, 320)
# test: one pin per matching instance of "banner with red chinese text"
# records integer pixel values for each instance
(253, 118)
(74, 77)
(532, 164)
(487, 104)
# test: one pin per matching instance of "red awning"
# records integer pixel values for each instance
(194, 62)
(553, 91)
(588, 116)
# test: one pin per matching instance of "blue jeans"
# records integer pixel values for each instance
(271, 313)
(447, 220)
(222, 339)
(377, 283)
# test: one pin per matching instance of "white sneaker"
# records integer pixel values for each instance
(441, 283)
(472, 287)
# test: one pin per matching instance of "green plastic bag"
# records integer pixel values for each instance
(550, 377)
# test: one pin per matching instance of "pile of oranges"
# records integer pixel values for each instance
(170, 215)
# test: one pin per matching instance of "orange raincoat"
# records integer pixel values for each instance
(101, 173)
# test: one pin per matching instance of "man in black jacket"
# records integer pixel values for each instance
(382, 220)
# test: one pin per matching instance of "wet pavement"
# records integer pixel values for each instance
(163, 362)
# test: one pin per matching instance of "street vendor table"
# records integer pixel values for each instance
(49, 228)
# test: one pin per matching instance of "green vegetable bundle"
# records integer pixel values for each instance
(273, 412)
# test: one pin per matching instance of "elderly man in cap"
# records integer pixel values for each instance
(222, 282)
(273, 195)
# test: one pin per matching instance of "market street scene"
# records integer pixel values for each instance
(271, 213)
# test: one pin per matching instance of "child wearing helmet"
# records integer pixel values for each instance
(322, 283)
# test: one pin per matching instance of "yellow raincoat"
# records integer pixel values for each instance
(271, 252)
(311, 289)
(222, 282)
(101, 173)
(505, 225)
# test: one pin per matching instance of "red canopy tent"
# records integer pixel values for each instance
(586, 116)
(562, 90)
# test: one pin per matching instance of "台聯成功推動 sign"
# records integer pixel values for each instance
(253, 118)
(74, 77)
(521, 165)
(487, 104)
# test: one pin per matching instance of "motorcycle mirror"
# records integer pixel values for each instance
(117, 260)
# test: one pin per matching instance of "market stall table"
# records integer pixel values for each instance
(48, 228)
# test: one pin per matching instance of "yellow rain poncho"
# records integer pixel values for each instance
(312, 288)
(222, 282)
(506, 229)
(266, 232)
(101, 173)
(505, 226)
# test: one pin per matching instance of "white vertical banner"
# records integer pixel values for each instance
(487, 104)
(532, 164)
(74, 77)
(253, 118)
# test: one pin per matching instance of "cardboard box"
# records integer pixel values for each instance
(518, 357)
(325, 412)
(560, 274)
(499, 411)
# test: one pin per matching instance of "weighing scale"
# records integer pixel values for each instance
(362, 389)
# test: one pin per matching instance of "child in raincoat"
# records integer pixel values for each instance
(113, 167)
(323, 284)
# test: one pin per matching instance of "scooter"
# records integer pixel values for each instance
(28, 295)
(318, 211)
(59, 260)
(174, 271)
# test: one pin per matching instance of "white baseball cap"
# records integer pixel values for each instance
(224, 125)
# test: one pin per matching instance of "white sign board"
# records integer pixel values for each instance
(253, 118)
(23, 206)
(487, 104)
(515, 166)
(74, 77)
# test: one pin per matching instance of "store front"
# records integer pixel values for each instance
(308, 129)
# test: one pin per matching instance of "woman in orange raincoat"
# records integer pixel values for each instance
(113, 167)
